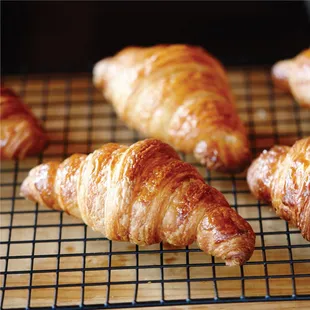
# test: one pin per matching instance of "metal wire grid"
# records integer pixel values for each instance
(49, 260)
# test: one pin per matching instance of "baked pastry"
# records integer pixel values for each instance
(294, 75)
(281, 177)
(179, 94)
(143, 194)
(21, 133)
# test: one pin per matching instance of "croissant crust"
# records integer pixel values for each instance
(21, 134)
(143, 194)
(293, 75)
(179, 94)
(281, 177)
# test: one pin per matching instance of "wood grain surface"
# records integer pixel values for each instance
(78, 120)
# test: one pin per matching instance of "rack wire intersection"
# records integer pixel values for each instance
(52, 261)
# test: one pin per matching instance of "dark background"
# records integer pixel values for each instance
(72, 36)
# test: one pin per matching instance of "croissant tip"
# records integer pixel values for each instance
(236, 259)
(227, 159)
(24, 188)
(232, 167)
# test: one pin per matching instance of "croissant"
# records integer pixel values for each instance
(21, 133)
(294, 75)
(281, 177)
(143, 194)
(178, 94)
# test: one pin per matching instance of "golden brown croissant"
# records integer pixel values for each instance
(281, 177)
(21, 133)
(143, 194)
(179, 94)
(294, 75)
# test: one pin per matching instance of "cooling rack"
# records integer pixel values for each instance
(50, 260)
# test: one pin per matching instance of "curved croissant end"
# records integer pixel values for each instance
(281, 177)
(21, 133)
(143, 194)
(294, 75)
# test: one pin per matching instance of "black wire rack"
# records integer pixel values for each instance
(52, 261)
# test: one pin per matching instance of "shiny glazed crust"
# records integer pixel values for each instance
(293, 75)
(21, 134)
(179, 94)
(143, 194)
(281, 177)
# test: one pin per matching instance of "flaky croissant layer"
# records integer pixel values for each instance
(281, 177)
(181, 95)
(143, 194)
(21, 133)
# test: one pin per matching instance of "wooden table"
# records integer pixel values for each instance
(78, 120)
